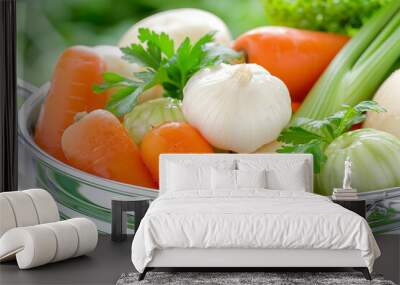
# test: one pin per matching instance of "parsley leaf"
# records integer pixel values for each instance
(162, 65)
(113, 80)
(298, 135)
(315, 147)
(313, 136)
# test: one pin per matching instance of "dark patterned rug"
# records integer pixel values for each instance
(243, 278)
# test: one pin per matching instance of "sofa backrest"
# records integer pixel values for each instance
(26, 208)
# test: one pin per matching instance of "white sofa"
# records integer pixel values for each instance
(31, 233)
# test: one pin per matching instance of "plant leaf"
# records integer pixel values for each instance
(314, 147)
(218, 53)
(354, 115)
(369, 106)
(162, 41)
(123, 100)
(112, 77)
(313, 136)
(137, 54)
(297, 135)
(145, 76)
(112, 80)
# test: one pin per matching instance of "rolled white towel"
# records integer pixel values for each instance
(23, 208)
(87, 235)
(40, 244)
(32, 246)
(67, 240)
(45, 205)
(7, 218)
(26, 208)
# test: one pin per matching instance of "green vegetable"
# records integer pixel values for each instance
(343, 16)
(313, 136)
(359, 68)
(382, 216)
(151, 114)
(163, 65)
(375, 157)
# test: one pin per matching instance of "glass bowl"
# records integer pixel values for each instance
(77, 193)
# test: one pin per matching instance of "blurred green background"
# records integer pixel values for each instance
(46, 27)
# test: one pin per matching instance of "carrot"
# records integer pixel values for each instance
(298, 57)
(99, 144)
(77, 69)
(173, 137)
(295, 106)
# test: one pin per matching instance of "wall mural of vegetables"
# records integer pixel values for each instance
(177, 83)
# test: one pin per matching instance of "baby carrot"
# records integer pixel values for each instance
(77, 69)
(99, 144)
(173, 137)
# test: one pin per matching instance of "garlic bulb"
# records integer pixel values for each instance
(388, 97)
(112, 56)
(237, 107)
(179, 24)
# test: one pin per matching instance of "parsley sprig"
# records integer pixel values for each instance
(313, 136)
(162, 65)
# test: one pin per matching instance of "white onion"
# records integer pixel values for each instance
(179, 24)
(112, 56)
(388, 97)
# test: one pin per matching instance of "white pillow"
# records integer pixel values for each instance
(223, 179)
(235, 179)
(251, 178)
(203, 160)
(293, 180)
(187, 177)
(282, 174)
(192, 173)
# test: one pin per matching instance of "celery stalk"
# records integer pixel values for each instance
(359, 68)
